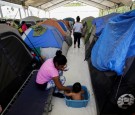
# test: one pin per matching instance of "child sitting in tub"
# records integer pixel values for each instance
(77, 92)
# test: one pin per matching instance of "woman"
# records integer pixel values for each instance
(48, 75)
(77, 31)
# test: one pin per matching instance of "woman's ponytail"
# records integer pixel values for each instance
(59, 58)
(58, 53)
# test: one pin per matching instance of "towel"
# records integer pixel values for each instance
(38, 30)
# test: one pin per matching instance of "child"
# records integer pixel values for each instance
(77, 92)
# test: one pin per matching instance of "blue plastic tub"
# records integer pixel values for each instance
(78, 103)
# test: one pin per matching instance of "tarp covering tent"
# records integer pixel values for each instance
(101, 22)
(115, 44)
(114, 94)
(16, 63)
(55, 24)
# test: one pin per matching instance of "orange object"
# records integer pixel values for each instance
(55, 24)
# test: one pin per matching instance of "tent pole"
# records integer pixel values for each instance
(24, 11)
(131, 6)
(108, 11)
(38, 12)
(1, 12)
(115, 9)
(102, 12)
(27, 12)
(49, 14)
(20, 13)
(30, 12)
(45, 13)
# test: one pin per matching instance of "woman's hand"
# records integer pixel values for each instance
(66, 69)
(69, 89)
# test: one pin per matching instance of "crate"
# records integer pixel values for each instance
(78, 103)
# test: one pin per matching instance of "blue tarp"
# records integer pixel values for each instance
(51, 38)
(115, 44)
(101, 22)
(63, 26)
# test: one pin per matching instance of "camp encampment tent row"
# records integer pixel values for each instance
(56, 37)
(111, 58)
(16, 75)
(18, 91)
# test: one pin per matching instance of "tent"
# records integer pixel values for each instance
(50, 38)
(62, 25)
(115, 94)
(67, 24)
(16, 63)
(31, 18)
(66, 35)
(48, 43)
(90, 42)
(87, 22)
(70, 19)
(100, 22)
(54, 23)
(115, 44)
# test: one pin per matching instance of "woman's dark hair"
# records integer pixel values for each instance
(23, 22)
(59, 58)
(76, 87)
(78, 19)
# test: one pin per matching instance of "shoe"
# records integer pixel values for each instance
(78, 46)
(60, 95)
